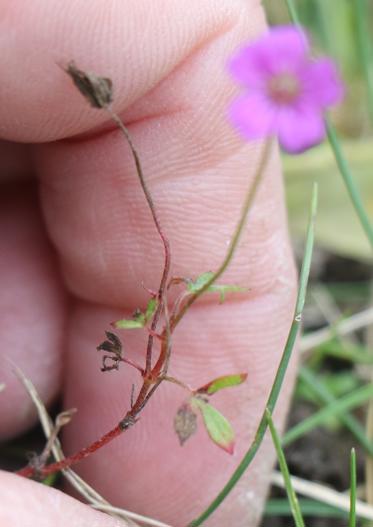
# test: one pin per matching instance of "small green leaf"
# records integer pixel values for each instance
(226, 381)
(139, 318)
(130, 323)
(185, 422)
(201, 281)
(150, 308)
(217, 426)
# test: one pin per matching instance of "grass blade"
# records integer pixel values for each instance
(363, 39)
(352, 400)
(292, 497)
(280, 507)
(341, 161)
(277, 384)
(349, 181)
(319, 388)
(352, 516)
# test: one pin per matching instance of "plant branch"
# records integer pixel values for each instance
(166, 245)
(249, 198)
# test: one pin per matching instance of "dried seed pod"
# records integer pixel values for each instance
(97, 90)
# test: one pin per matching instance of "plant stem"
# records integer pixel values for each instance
(349, 182)
(362, 16)
(338, 406)
(280, 374)
(292, 497)
(71, 460)
(249, 198)
(293, 13)
(340, 158)
(150, 383)
(167, 253)
(352, 517)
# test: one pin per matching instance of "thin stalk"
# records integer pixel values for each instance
(280, 375)
(341, 161)
(292, 497)
(352, 516)
(153, 377)
(363, 40)
(249, 198)
(71, 460)
(293, 13)
(166, 245)
(349, 182)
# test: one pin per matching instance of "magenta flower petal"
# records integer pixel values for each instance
(299, 128)
(283, 48)
(246, 68)
(252, 115)
(322, 83)
(286, 90)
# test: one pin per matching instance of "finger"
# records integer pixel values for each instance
(25, 503)
(106, 37)
(15, 162)
(96, 217)
(32, 307)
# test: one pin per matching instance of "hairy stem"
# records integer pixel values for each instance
(167, 253)
(71, 460)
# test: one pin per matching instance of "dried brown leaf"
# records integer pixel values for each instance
(185, 422)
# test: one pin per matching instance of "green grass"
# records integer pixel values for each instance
(280, 375)
(341, 28)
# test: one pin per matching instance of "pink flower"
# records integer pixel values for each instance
(286, 92)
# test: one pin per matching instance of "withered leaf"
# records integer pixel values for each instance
(185, 423)
(97, 90)
(112, 344)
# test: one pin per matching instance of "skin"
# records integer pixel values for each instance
(78, 243)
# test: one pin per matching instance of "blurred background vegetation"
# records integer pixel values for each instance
(334, 29)
(342, 270)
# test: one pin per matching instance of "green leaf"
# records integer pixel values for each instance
(352, 516)
(139, 319)
(226, 381)
(201, 281)
(292, 497)
(150, 308)
(217, 426)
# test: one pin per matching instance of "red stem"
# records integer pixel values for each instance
(151, 378)
(166, 245)
(67, 462)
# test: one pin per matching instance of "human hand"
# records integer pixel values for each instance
(74, 255)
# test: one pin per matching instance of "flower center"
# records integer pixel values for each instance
(283, 88)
